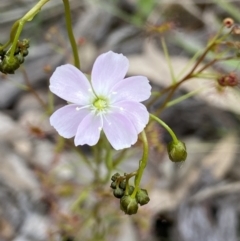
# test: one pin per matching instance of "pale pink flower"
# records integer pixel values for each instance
(109, 102)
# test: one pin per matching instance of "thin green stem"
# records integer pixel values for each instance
(195, 56)
(50, 107)
(206, 75)
(13, 31)
(182, 98)
(166, 54)
(60, 144)
(213, 62)
(108, 160)
(70, 33)
(15, 41)
(18, 25)
(142, 163)
(162, 123)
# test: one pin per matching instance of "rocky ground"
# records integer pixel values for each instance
(198, 200)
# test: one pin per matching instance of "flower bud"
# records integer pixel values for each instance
(9, 65)
(17, 51)
(122, 184)
(142, 197)
(115, 176)
(113, 185)
(130, 190)
(25, 43)
(25, 52)
(129, 205)
(118, 192)
(20, 58)
(177, 151)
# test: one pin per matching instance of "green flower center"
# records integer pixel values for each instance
(100, 104)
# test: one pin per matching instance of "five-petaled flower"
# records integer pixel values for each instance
(108, 102)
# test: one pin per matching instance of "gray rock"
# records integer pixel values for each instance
(36, 227)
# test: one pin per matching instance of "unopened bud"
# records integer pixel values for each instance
(177, 151)
(115, 176)
(9, 65)
(25, 52)
(122, 184)
(118, 192)
(129, 205)
(142, 197)
(130, 190)
(113, 185)
(17, 51)
(20, 58)
(25, 43)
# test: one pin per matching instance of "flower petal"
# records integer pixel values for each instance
(70, 84)
(108, 69)
(136, 112)
(67, 119)
(89, 130)
(136, 88)
(119, 130)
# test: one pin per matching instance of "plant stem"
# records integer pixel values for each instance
(162, 123)
(167, 57)
(213, 62)
(182, 98)
(191, 73)
(70, 33)
(142, 164)
(108, 160)
(18, 25)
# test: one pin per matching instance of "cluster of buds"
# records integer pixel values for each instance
(123, 191)
(9, 64)
(228, 80)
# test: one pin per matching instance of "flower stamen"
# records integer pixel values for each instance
(100, 104)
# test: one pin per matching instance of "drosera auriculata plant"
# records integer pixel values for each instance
(104, 111)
